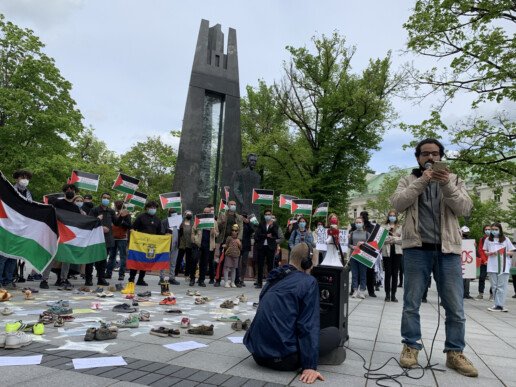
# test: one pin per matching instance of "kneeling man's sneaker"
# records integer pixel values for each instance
(17, 340)
(460, 363)
(408, 358)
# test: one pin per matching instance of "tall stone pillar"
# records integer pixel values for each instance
(210, 149)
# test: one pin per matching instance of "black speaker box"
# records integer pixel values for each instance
(333, 297)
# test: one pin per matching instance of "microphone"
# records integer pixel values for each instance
(428, 165)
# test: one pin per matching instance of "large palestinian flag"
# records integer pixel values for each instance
(125, 184)
(51, 198)
(322, 209)
(204, 221)
(27, 230)
(171, 200)
(85, 180)
(138, 199)
(263, 196)
(81, 238)
(378, 236)
(302, 206)
(285, 201)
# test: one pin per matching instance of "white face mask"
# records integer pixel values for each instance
(23, 182)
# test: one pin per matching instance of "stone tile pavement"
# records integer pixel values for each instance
(374, 334)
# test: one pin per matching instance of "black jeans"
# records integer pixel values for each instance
(264, 255)
(242, 266)
(482, 280)
(329, 339)
(391, 266)
(202, 255)
(132, 275)
(99, 265)
(401, 273)
(514, 282)
(211, 265)
(180, 256)
(371, 280)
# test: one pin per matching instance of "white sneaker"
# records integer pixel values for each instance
(232, 284)
(355, 294)
(361, 295)
(228, 284)
(3, 336)
(17, 340)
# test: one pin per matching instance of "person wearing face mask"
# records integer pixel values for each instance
(320, 234)
(121, 237)
(204, 242)
(391, 253)
(147, 222)
(358, 270)
(464, 230)
(499, 250)
(370, 273)
(185, 244)
(88, 203)
(174, 250)
(23, 177)
(301, 234)
(225, 222)
(78, 200)
(433, 199)
(266, 237)
(482, 258)
(108, 218)
(247, 235)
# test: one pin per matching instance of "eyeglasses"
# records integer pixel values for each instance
(426, 154)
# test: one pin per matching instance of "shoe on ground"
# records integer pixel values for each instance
(242, 298)
(228, 284)
(102, 282)
(124, 308)
(424, 300)
(228, 318)
(258, 286)
(481, 297)
(165, 332)
(145, 294)
(211, 282)
(174, 282)
(408, 358)
(144, 315)
(12, 327)
(495, 308)
(228, 304)
(7, 311)
(185, 322)
(468, 297)
(387, 299)
(43, 285)
(361, 295)
(132, 321)
(3, 336)
(90, 334)
(38, 329)
(460, 363)
(142, 283)
(106, 333)
(58, 282)
(178, 311)
(394, 299)
(121, 279)
(372, 295)
(216, 284)
(232, 284)
(30, 278)
(17, 340)
(237, 325)
(202, 330)
(87, 283)
(60, 310)
(354, 294)
(192, 283)
(202, 284)
(168, 301)
(514, 296)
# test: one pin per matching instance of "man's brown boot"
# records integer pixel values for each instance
(408, 358)
(460, 363)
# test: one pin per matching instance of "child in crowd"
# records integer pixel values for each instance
(498, 249)
(231, 256)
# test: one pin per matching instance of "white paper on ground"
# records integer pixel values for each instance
(82, 346)
(93, 362)
(185, 346)
(236, 339)
(29, 312)
(20, 360)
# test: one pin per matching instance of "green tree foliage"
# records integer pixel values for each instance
(340, 116)
(484, 212)
(38, 117)
(475, 42)
(379, 207)
(153, 162)
(510, 217)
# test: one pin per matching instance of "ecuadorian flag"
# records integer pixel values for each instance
(149, 252)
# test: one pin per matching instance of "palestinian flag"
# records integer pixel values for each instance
(85, 180)
(125, 184)
(365, 254)
(171, 200)
(302, 206)
(28, 230)
(226, 192)
(81, 238)
(138, 199)
(263, 196)
(322, 209)
(501, 257)
(378, 236)
(223, 206)
(51, 198)
(204, 221)
(129, 207)
(285, 201)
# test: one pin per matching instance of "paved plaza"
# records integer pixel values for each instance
(374, 333)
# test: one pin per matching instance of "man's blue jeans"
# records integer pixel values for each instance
(7, 267)
(358, 275)
(447, 269)
(121, 247)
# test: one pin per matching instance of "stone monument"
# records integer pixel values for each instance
(244, 181)
(210, 148)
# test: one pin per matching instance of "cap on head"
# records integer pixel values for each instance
(464, 229)
(234, 227)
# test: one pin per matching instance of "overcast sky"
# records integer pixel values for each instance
(130, 60)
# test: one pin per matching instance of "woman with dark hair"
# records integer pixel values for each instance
(301, 234)
(498, 249)
(391, 252)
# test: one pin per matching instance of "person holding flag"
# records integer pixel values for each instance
(121, 237)
(498, 249)
(204, 240)
(174, 250)
(266, 237)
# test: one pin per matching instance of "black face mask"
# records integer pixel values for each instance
(188, 217)
(69, 194)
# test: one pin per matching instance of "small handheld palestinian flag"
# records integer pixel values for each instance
(302, 206)
(285, 201)
(501, 258)
(85, 180)
(129, 207)
(204, 221)
(51, 198)
(125, 184)
(226, 192)
(223, 206)
(365, 254)
(378, 236)
(171, 200)
(138, 199)
(322, 209)
(263, 196)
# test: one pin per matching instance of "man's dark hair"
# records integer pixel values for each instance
(88, 196)
(66, 187)
(119, 203)
(267, 210)
(151, 204)
(209, 205)
(22, 173)
(251, 155)
(105, 193)
(429, 141)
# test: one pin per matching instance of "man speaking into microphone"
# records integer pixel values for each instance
(433, 199)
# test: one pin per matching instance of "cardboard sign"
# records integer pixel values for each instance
(322, 236)
(469, 257)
